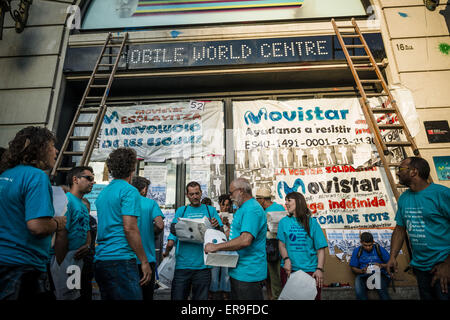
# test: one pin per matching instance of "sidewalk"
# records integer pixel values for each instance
(402, 293)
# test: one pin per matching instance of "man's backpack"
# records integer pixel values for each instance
(377, 248)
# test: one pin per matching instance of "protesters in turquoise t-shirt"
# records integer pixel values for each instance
(424, 213)
(150, 220)
(118, 237)
(248, 238)
(273, 281)
(190, 269)
(302, 242)
(72, 244)
(26, 214)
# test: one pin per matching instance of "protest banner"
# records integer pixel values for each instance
(162, 131)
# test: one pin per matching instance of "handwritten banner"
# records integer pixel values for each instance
(163, 131)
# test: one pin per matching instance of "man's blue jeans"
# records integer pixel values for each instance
(184, 279)
(426, 291)
(118, 279)
(23, 283)
(361, 287)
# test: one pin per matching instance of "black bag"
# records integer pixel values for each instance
(272, 251)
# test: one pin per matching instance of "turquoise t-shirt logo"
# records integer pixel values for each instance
(292, 237)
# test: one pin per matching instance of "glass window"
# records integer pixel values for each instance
(104, 14)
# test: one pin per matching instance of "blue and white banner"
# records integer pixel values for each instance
(321, 148)
(163, 131)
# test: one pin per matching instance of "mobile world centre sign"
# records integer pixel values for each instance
(223, 53)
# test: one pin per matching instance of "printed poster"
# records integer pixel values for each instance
(157, 190)
(322, 148)
(442, 166)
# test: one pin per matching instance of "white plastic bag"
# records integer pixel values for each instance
(166, 269)
(67, 287)
(219, 258)
(192, 230)
(300, 286)
(273, 218)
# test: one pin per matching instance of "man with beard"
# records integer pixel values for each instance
(424, 213)
(248, 238)
(74, 241)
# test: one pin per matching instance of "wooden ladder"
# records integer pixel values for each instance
(389, 107)
(93, 103)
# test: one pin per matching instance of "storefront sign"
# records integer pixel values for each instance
(162, 131)
(437, 131)
(223, 53)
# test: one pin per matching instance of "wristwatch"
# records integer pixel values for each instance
(285, 258)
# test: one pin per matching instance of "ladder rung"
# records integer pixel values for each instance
(383, 110)
(109, 55)
(350, 35)
(370, 81)
(390, 126)
(401, 186)
(377, 94)
(102, 75)
(394, 164)
(63, 169)
(354, 45)
(99, 85)
(89, 110)
(106, 64)
(73, 153)
(365, 68)
(359, 57)
(397, 144)
(84, 124)
(79, 138)
(114, 45)
(94, 98)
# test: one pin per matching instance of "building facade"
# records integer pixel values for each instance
(239, 68)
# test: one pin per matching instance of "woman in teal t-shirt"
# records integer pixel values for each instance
(301, 241)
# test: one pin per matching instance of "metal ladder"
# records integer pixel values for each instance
(389, 107)
(97, 83)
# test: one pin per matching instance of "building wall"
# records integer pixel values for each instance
(413, 36)
(31, 67)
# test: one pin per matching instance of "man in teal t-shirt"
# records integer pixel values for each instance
(74, 241)
(424, 213)
(273, 281)
(248, 238)
(118, 237)
(190, 269)
(150, 220)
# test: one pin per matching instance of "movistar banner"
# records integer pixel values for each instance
(321, 148)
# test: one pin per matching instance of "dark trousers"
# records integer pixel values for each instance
(149, 288)
(118, 279)
(185, 279)
(241, 290)
(23, 283)
(426, 291)
(87, 274)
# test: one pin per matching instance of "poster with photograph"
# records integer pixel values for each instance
(157, 190)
